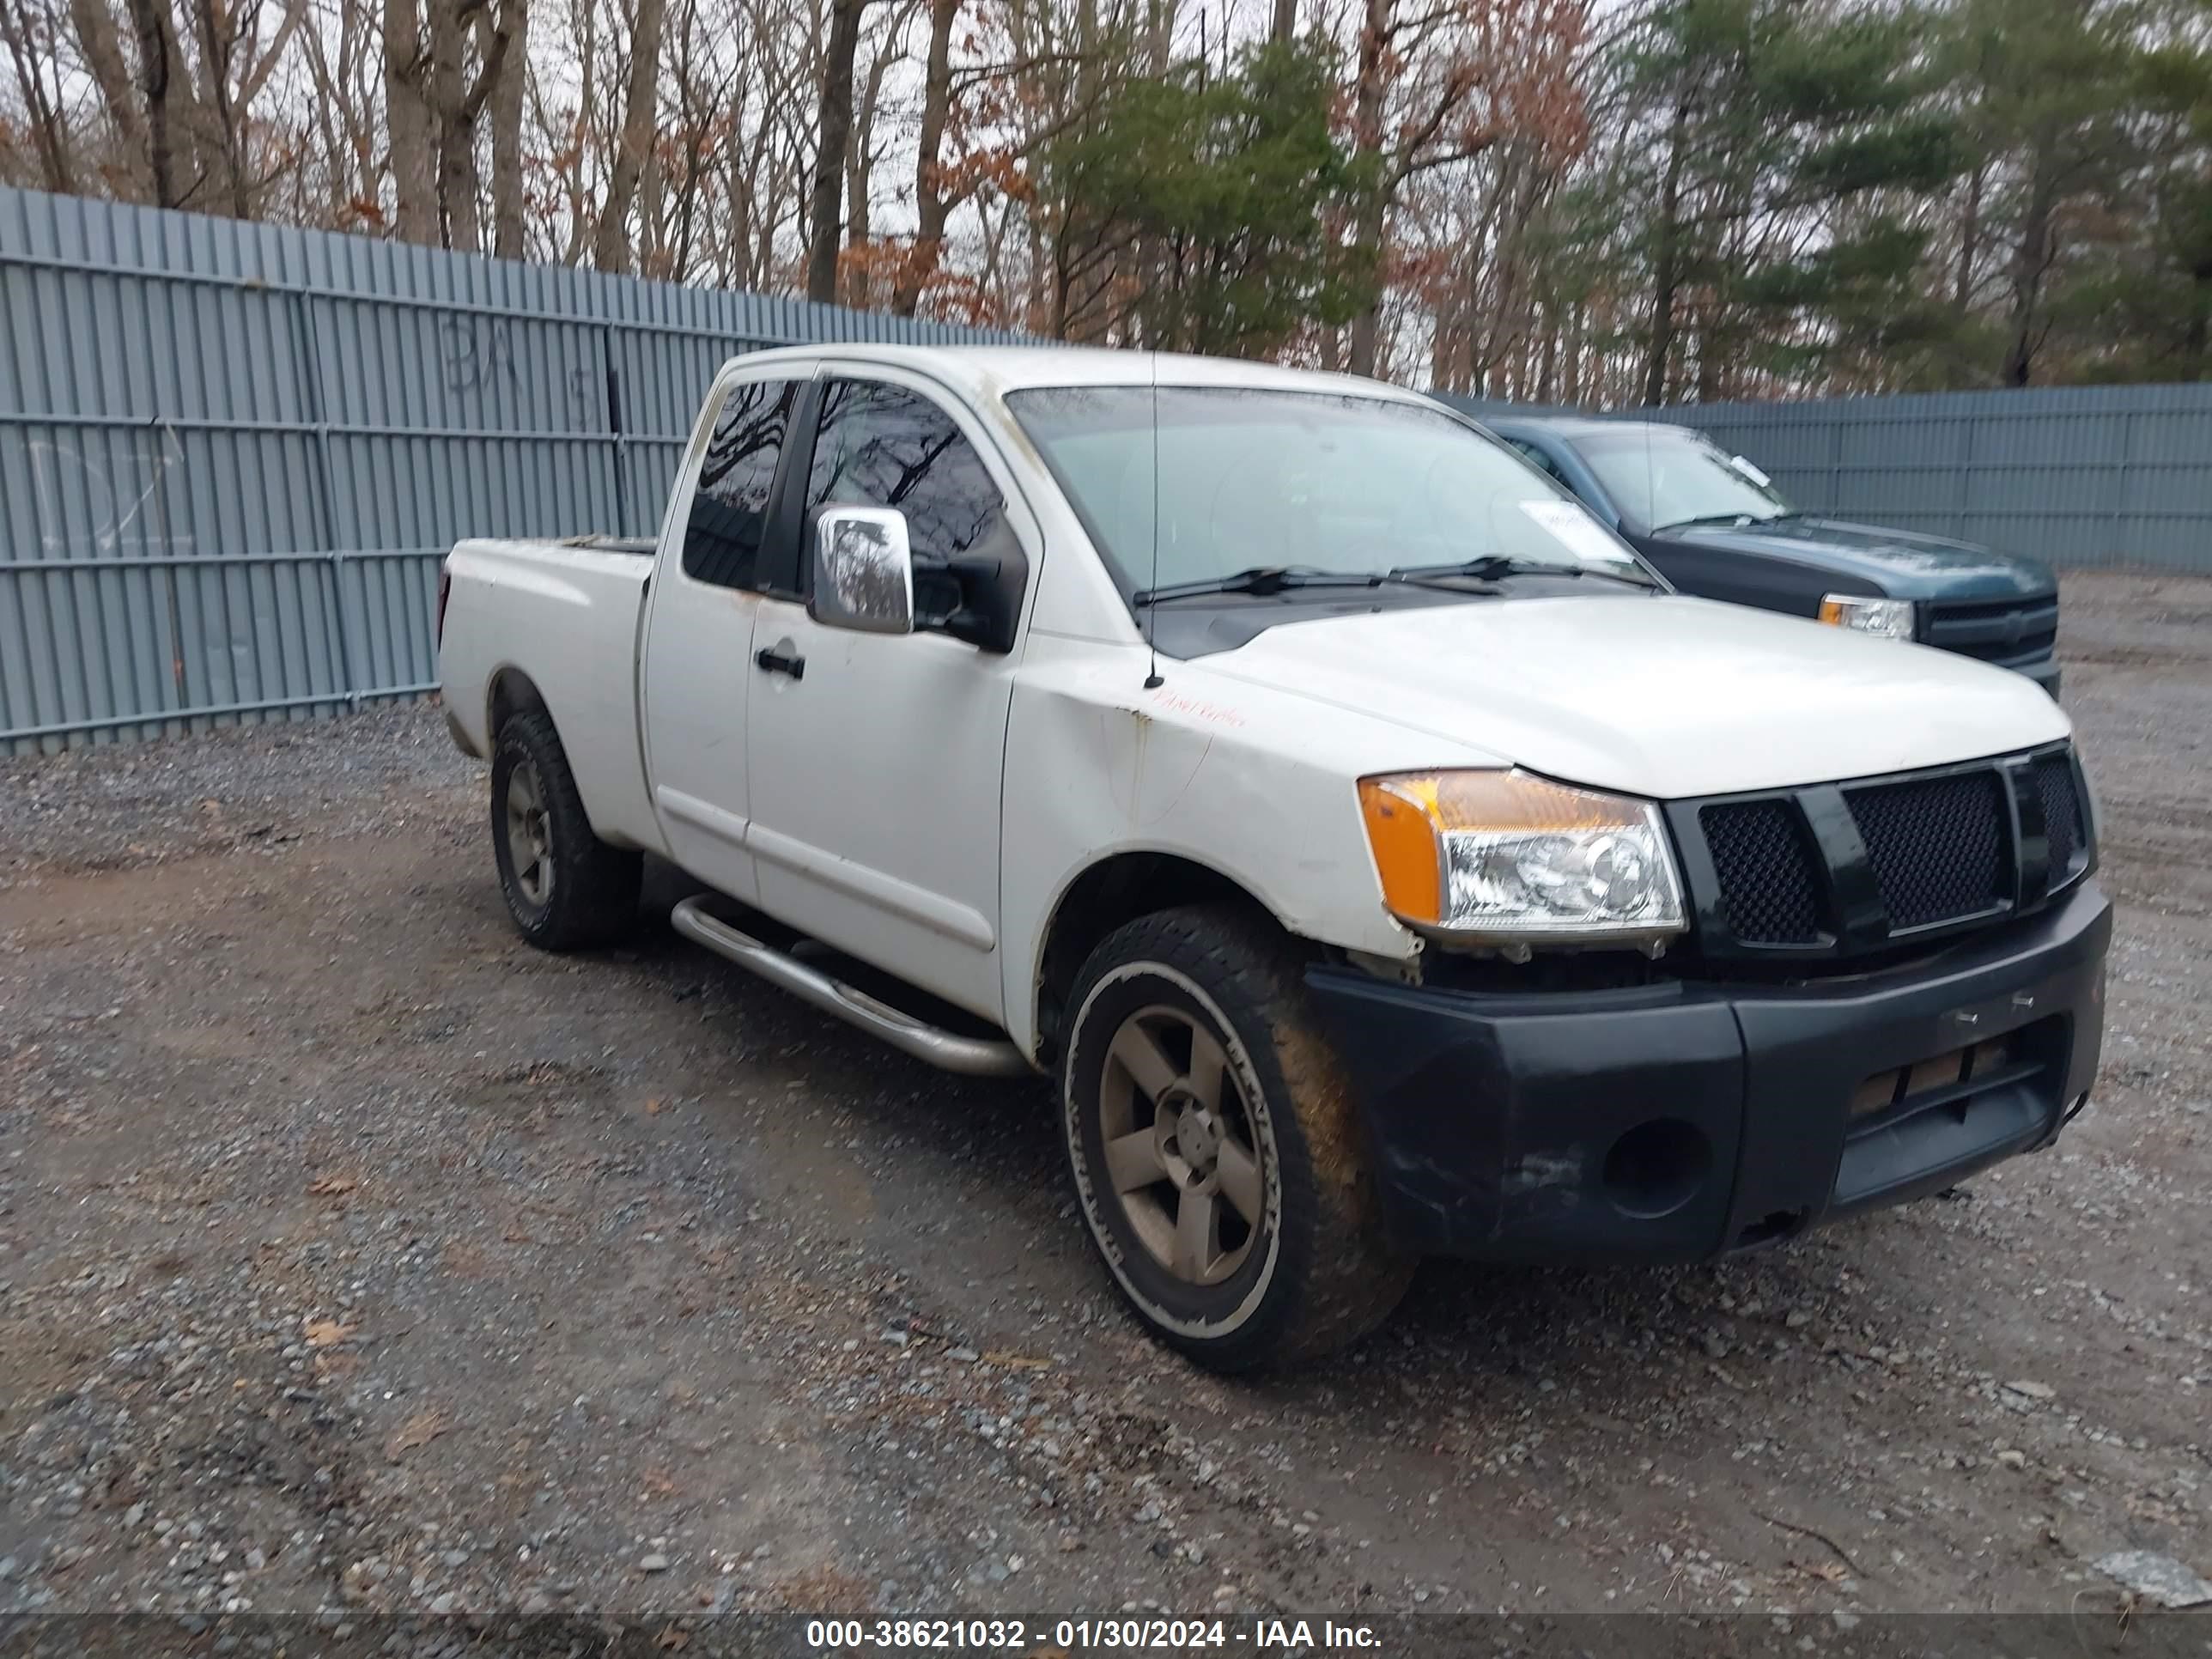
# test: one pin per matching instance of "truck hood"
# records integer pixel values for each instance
(1902, 563)
(1662, 697)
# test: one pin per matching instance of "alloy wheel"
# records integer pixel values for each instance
(1180, 1155)
(529, 845)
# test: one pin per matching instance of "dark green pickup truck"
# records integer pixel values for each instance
(1715, 526)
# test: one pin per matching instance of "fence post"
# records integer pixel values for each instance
(311, 350)
(1966, 476)
(2120, 489)
(621, 527)
(1835, 456)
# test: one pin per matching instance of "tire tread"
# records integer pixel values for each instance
(595, 885)
(1346, 1278)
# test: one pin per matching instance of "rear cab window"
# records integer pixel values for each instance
(729, 522)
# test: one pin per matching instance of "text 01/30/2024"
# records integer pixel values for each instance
(1065, 1635)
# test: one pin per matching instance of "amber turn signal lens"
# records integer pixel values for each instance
(1401, 832)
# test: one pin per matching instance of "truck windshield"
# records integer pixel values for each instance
(1243, 479)
(1662, 477)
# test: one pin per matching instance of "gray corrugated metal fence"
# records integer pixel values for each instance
(231, 455)
(2076, 475)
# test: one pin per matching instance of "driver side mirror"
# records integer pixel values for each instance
(863, 570)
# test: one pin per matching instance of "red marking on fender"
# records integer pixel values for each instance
(1198, 708)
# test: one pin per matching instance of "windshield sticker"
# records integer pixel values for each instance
(1751, 472)
(1584, 536)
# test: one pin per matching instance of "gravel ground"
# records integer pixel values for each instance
(356, 1258)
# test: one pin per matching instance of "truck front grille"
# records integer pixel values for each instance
(1937, 845)
(1765, 859)
(2012, 633)
(2062, 810)
(1842, 871)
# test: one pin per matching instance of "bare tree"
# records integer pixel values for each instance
(343, 58)
(932, 202)
(409, 123)
(610, 248)
(825, 223)
(31, 35)
(510, 45)
(100, 45)
(164, 93)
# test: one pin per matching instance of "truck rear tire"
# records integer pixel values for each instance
(565, 888)
(1214, 1144)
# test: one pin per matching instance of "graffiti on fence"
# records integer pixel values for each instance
(91, 506)
(588, 390)
(477, 352)
(477, 355)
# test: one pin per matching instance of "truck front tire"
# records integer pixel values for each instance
(1215, 1147)
(565, 888)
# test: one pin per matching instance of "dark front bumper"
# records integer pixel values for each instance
(1683, 1120)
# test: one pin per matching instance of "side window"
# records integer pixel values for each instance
(883, 446)
(729, 507)
(1543, 462)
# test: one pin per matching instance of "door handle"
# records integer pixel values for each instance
(780, 662)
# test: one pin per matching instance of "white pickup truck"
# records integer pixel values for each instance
(1380, 859)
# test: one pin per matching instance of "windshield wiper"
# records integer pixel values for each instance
(1261, 579)
(1491, 566)
(1270, 578)
(1738, 519)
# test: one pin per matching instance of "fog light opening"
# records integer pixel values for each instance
(1656, 1168)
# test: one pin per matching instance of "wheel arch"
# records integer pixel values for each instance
(1113, 890)
(511, 691)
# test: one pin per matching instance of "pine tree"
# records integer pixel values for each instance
(1199, 213)
(1784, 137)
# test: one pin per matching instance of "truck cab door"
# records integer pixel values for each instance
(877, 758)
(722, 543)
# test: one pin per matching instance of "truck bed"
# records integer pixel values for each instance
(580, 605)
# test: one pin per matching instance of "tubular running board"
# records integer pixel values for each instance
(973, 1056)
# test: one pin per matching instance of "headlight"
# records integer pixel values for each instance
(1887, 619)
(1506, 858)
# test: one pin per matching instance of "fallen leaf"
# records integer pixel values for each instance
(653, 1107)
(672, 1640)
(1833, 1572)
(418, 1431)
(2158, 1579)
(326, 1333)
(333, 1185)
